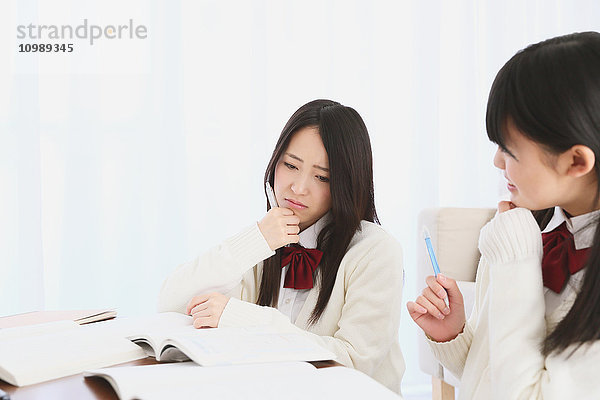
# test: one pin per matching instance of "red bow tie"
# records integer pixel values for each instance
(303, 262)
(560, 259)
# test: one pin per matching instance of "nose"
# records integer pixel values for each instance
(300, 185)
(499, 159)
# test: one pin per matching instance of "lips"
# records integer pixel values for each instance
(509, 185)
(296, 204)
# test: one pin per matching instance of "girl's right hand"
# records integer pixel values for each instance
(439, 322)
(280, 227)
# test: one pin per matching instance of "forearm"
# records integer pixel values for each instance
(512, 246)
(363, 314)
(218, 270)
(453, 354)
(349, 350)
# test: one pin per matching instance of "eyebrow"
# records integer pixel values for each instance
(295, 157)
(507, 150)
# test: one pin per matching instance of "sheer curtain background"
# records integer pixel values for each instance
(121, 160)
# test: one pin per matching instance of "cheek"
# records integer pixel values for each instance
(325, 198)
(280, 177)
(499, 160)
(512, 171)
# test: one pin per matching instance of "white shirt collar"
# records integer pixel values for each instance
(583, 227)
(308, 237)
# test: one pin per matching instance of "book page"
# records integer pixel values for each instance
(189, 380)
(171, 334)
(48, 352)
(147, 331)
(227, 346)
(150, 332)
(292, 380)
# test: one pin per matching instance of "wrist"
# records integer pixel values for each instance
(262, 231)
(511, 235)
(445, 337)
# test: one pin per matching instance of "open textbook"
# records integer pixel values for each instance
(291, 380)
(36, 353)
(171, 337)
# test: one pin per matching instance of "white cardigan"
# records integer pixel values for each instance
(498, 354)
(360, 323)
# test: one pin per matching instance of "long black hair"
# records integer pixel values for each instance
(551, 92)
(346, 141)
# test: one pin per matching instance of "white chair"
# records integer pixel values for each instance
(454, 235)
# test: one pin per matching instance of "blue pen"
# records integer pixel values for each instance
(434, 263)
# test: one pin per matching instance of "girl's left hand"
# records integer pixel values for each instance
(505, 206)
(207, 309)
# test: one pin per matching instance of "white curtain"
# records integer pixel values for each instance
(121, 160)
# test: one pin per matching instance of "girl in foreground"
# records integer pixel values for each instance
(343, 286)
(535, 325)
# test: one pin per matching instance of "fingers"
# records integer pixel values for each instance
(292, 229)
(433, 304)
(206, 310)
(414, 308)
(436, 287)
(280, 227)
(200, 307)
(505, 206)
(283, 211)
(194, 302)
(293, 238)
(454, 294)
(205, 322)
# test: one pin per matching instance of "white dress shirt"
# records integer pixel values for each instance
(583, 228)
(291, 300)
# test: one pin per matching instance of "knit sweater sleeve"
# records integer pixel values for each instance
(453, 354)
(370, 313)
(512, 245)
(218, 270)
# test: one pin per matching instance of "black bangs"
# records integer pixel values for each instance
(519, 94)
(346, 141)
(497, 113)
(550, 92)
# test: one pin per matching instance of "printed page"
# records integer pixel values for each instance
(153, 328)
(227, 346)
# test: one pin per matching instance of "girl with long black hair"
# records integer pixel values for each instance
(535, 328)
(318, 263)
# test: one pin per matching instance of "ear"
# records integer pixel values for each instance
(580, 160)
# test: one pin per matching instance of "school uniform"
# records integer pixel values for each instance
(497, 356)
(361, 321)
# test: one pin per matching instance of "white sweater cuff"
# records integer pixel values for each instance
(453, 353)
(238, 313)
(249, 247)
(511, 235)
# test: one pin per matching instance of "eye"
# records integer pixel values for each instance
(504, 150)
(323, 178)
(289, 166)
